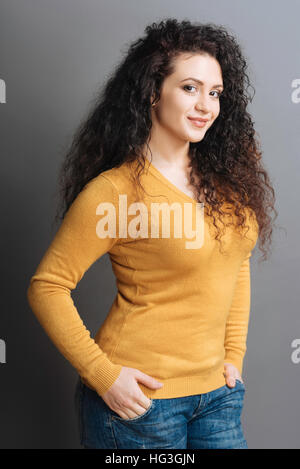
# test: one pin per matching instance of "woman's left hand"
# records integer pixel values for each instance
(231, 373)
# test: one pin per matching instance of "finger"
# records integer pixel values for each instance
(230, 380)
(126, 413)
(135, 410)
(143, 400)
(143, 403)
(138, 408)
(141, 409)
(122, 414)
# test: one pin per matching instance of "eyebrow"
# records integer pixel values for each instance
(201, 82)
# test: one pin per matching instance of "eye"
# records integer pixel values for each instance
(218, 93)
(192, 86)
(188, 86)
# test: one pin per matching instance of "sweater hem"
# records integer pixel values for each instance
(186, 386)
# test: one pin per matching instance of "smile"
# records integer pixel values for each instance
(197, 123)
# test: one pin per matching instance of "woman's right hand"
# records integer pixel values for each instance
(125, 396)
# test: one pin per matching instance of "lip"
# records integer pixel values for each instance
(198, 119)
(198, 122)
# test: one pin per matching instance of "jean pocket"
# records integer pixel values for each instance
(115, 416)
(240, 383)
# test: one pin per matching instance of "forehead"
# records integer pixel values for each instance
(196, 65)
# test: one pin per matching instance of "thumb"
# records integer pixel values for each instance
(147, 380)
(229, 377)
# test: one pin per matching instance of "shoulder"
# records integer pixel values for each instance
(118, 178)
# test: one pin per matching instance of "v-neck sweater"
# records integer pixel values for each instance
(182, 306)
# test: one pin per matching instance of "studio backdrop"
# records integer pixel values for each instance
(54, 57)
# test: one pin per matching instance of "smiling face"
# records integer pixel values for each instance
(181, 97)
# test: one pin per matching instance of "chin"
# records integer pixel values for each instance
(196, 139)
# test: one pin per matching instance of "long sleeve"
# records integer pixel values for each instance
(75, 247)
(238, 318)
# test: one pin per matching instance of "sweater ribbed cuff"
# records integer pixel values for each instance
(102, 377)
(235, 359)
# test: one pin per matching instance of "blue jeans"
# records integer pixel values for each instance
(201, 421)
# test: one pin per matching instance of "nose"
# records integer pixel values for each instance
(203, 104)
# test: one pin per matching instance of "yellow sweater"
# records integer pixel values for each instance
(182, 307)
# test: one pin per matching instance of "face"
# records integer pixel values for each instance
(182, 97)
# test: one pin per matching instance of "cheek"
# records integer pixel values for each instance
(177, 103)
(217, 109)
(171, 113)
(215, 114)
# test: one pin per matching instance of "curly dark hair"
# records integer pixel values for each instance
(227, 160)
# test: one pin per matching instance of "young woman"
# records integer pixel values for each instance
(168, 147)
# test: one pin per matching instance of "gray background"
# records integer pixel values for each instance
(54, 54)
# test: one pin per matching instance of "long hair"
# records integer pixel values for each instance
(227, 160)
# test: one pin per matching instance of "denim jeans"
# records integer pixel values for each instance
(201, 421)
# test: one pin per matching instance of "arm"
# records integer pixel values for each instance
(238, 318)
(75, 247)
